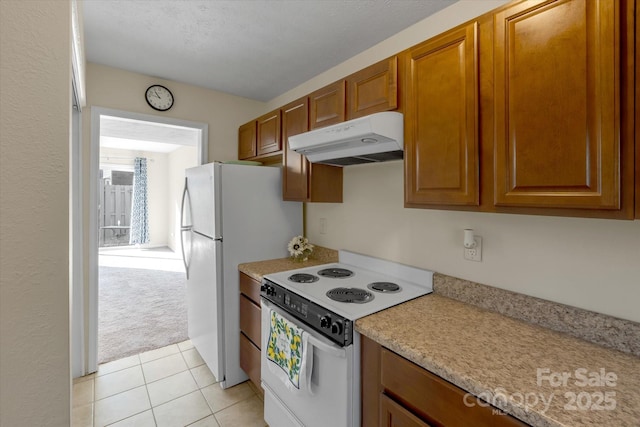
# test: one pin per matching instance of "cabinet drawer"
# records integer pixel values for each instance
(250, 288)
(250, 359)
(433, 399)
(394, 415)
(250, 320)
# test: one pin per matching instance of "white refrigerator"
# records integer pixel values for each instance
(231, 214)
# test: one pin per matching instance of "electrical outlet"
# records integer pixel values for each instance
(474, 254)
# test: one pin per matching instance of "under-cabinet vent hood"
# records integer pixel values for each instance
(374, 138)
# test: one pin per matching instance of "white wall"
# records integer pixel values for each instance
(179, 160)
(588, 263)
(158, 194)
(35, 129)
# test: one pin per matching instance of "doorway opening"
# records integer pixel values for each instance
(137, 298)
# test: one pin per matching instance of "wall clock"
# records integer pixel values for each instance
(159, 97)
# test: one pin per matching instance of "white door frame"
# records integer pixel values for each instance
(76, 237)
(96, 112)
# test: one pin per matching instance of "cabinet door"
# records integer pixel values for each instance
(295, 120)
(327, 105)
(303, 181)
(373, 89)
(557, 119)
(268, 138)
(247, 140)
(441, 120)
(394, 415)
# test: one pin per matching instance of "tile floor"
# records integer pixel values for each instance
(170, 386)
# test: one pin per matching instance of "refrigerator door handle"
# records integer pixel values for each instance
(184, 228)
(217, 239)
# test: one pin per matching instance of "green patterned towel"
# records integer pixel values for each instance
(285, 347)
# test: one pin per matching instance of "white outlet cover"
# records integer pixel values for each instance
(474, 254)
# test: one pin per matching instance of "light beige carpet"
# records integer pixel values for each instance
(139, 310)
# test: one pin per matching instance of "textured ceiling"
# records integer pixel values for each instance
(257, 49)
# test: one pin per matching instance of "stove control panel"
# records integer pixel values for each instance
(331, 325)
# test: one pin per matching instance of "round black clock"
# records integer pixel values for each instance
(159, 97)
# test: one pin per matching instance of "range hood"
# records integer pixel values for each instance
(375, 138)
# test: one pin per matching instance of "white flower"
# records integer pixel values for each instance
(299, 246)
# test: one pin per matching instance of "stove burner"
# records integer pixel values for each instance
(386, 287)
(355, 295)
(303, 278)
(335, 273)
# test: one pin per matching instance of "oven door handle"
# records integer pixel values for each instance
(332, 349)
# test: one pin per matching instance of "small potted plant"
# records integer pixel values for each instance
(300, 248)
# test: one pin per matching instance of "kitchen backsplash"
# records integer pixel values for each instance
(608, 331)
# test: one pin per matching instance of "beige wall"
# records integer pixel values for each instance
(179, 160)
(117, 89)
(589, 263)
(35, 97)
(109, 87)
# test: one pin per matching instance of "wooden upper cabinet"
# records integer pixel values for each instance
(441, 120)
(247, 140)
(295, 120)
(327, 105)
(556, 106)
(268, 135)
(373, 89)
(303, 181)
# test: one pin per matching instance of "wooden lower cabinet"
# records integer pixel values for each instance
(393, 414)
(250, 317)
(250, 359)
(399, 393)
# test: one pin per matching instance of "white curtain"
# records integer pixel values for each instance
(139, 232)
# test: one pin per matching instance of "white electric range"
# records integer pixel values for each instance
(324, 301)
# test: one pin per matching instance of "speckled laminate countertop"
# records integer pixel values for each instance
(516, 366)
(258, 269)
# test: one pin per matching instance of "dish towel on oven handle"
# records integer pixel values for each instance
(289, 351)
